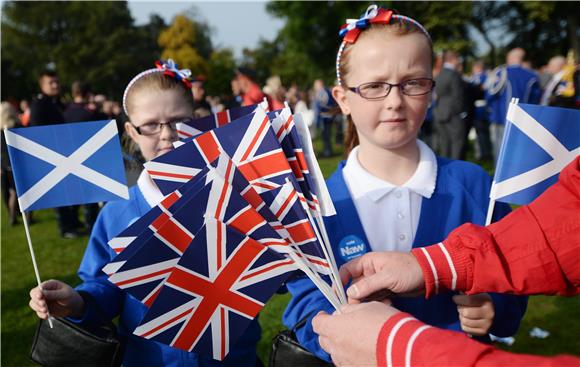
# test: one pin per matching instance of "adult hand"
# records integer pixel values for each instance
(476, 313)
(58, 298)
(350, 336)
(398, 272)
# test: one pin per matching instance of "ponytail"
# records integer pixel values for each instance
(351, 137)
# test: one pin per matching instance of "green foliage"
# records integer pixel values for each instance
(91, 41)
(222, 66)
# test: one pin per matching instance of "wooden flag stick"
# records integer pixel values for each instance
(25, 220)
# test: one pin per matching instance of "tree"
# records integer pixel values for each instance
(91, 41)
(308, 42)
(180, 41)
(222, 66)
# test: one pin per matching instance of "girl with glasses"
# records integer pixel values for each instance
(155, 100)
(393, 193)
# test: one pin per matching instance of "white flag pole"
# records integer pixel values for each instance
(25, 220)
(323, 196)
(490, 208)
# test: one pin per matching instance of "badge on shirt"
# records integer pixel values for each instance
(351, 247)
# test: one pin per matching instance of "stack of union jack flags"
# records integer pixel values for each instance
(244, 208)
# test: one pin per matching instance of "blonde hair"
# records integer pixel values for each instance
(397, 27)
(154, 81)
(9, 116)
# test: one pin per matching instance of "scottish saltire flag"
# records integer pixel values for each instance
(67, 164)
(539, 142)
(215, 120)
(217, 288)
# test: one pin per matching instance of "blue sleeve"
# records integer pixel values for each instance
(509, 309)
(306, 300)
(104, 299)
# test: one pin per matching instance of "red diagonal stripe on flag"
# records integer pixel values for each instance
(216, 293)
(301, 232)
(296, 169)
(208, 146)
(170, 199)
(246, 221)
(169, 174)
(173, 233)
(256, 138)
(265, 166)
(252, 197)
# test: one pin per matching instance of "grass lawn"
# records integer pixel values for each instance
(58, 258)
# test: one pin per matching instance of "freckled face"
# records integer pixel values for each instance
(394, 121)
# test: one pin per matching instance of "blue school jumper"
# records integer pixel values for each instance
(113, 302)
(461, 195)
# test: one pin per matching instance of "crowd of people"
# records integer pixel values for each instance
(394, 193)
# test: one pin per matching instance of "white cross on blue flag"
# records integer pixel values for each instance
(67, 164)
(539, 142)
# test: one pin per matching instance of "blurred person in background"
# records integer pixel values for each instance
(449, 111)
(25, 113)
(201, 107)
(275, 92)
(509, 81)
(481, 116)
(324, 104)
(47, 108)
(10, 119)
(248, 88)
(78, 111)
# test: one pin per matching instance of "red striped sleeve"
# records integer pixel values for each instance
(439, 269)
(396, 341)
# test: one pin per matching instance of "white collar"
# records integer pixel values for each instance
(149, 190)
(365, 184)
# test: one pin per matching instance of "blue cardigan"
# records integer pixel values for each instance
(113, 302)
(461, 195)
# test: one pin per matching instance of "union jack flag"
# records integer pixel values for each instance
(129, 241)
(219, 285)
(199, 126)
(143, 273)
(249, 141)
(284, 127)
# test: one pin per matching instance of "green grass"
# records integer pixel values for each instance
(59, 259)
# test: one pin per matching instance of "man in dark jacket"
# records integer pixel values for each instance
(449, 109)
(47, 109)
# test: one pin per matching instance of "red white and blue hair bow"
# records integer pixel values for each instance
(170, 68)
(352, 28)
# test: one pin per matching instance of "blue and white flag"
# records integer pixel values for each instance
(538, 143)
(67, 164)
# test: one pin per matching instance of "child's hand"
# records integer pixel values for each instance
(475, 313)
(58, 298)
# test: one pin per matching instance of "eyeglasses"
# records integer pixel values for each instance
(154, 128)
(380, 90)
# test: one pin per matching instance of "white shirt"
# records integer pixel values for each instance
(149, 190)
(390, 214)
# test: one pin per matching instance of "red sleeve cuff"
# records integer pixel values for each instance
(397, 338)
(439, 269)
